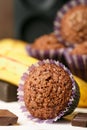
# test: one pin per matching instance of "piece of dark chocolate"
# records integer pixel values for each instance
(80, 120)
(7, 118)
(8, 91)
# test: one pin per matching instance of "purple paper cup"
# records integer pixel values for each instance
(71, 105)
(45, 54)
(60, 14)
(76, 63)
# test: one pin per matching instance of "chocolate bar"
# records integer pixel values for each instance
(80, 120)
(7, 118)
(8, 91)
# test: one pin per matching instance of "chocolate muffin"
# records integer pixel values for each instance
(49, 90)
(76, 60)
(70, 25)
(47, 42)
(74, 25)
(80, 49)
(46, 46)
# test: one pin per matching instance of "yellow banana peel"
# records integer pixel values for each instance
(14, 62)
(13, 78)
(83, 91)
(11, 70)
(16, 46)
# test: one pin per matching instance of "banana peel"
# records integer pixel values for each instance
(17, 46)
(11, 70)
(83, 92)
(14, 62)
(23, 59)
(6, 75)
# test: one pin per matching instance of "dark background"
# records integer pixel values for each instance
(27, 19)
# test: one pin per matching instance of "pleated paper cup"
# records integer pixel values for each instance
(71, 105)
(60, 14)
(76, 63)
(45, 54)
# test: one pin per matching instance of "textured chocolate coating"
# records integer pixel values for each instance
(7, 118)
(80, 120)
(74, 25)
(47, 91)
(47, 42)
(80, 49)
(8, 91)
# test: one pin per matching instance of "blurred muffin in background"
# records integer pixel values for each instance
(76, 60)
(80, 49)
(47, 42)
(74, 25)
(70, 25)
(46, 46)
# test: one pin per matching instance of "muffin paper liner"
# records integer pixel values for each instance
(59, 16)
(76, 63)
(73, 101)
(45, 54)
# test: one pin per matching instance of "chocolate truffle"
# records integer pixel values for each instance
(80, 49)
(49, 90)
(47, 42)
(44, 89)
(74, 25)
(46, 46)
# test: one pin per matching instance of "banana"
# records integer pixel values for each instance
(12, 69)
(14, 62)
(24, 59)
(11, 65)
(6, 75)
(83, 91)
(16, 46)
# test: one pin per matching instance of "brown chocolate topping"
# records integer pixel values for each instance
(74, 25)
(47, 91)
(80, 49)
(47, 42)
